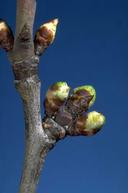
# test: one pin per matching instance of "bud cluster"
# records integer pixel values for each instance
(69, 109)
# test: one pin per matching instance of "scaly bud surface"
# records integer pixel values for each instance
(90, 89)
(45, 36)
(6, 36)
(55, 97)
(81, 99)
(91, 123)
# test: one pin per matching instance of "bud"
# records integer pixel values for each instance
(90, 89)
(63, 117)
(81, 99)
(55, 97)
(90, 124)
(45, 36)
(6, 36)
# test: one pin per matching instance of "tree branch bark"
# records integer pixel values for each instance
(36, 139)
(25, 14)
(25, 68)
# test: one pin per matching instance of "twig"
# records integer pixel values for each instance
(65, 113)
(25, 67)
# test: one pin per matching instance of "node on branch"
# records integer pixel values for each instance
(65, 111)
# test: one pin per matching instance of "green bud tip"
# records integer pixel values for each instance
(62, 90)
(90, 89)
(58, 90)
(51, 28)
(94, 120)
(3, 25)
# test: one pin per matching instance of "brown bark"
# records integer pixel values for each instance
(25, 68)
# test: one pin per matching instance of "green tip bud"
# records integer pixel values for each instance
(6, 36)
(94, 120)
(45, 36)
(89, 124)
(50, 30)
(90, 89)
(61, 90)
(55, 97)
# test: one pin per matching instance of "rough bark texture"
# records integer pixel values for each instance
(38, 141)
(25, 67)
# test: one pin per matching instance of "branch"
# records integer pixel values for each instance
(25, 68)
(23, 46)
(25, 15)
(36, 140)
(65, 112)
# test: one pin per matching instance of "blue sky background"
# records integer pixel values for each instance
(90, 48)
